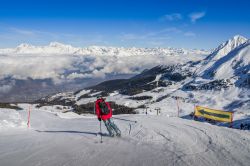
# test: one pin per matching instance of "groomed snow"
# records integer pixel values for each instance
(153, 140)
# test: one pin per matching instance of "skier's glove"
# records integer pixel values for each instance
(99, 119)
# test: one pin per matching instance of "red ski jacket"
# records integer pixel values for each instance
(98, 110)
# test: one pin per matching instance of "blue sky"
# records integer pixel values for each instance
(127, 23)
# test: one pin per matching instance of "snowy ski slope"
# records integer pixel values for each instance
(153, 140)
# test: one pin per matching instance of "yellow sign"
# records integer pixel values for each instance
(217, 115)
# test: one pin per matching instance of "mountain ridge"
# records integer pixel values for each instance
(60, 48)
(163, 84)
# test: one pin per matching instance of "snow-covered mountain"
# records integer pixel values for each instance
(230, 62)
(52, 48)
(59, 48)
(227, 47)
(228, 54)
(59, 67)
(227, 89)
(235, 63)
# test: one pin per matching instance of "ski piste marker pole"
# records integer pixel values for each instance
(28, 123)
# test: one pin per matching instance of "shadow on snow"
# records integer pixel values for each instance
(68, 131)
(73, 132)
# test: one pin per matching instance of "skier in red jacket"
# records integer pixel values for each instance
(104, 112)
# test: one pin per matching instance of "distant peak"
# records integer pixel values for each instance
(239, 37)
(24, 45)
(57, 44)
(229, 45)
(235, 41)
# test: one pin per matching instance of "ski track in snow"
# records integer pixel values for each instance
(153, 140)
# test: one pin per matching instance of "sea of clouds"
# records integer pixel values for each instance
(62, 68)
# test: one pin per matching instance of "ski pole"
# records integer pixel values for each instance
(101, 130)
(126, 120)
(28, 123)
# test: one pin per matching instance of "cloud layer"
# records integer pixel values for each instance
(94, 62)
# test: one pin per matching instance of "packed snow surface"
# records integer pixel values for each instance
(153, 140)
